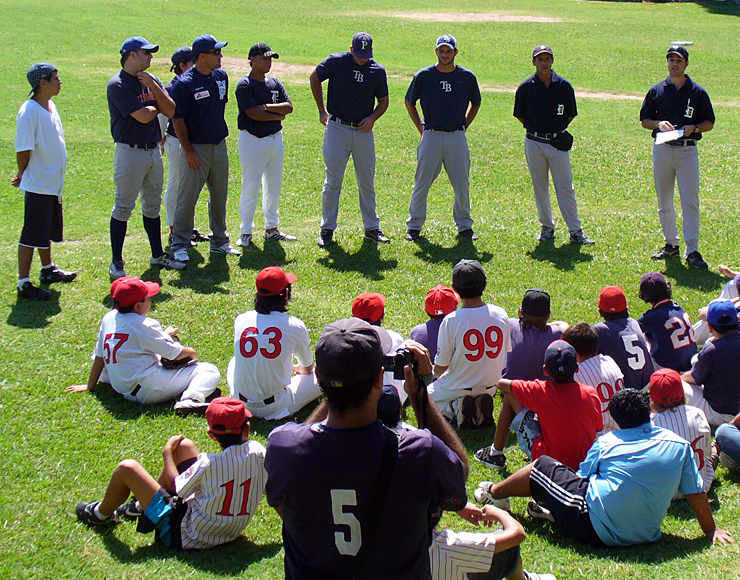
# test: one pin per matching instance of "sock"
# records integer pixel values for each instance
(153, 228)
(49, 266)
(97, 513)
(21, 282)
(117, 235)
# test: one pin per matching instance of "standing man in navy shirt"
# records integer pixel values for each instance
(545, 104)
(263, 104)
(200, 97)
(450, 99)
(356, 82)
(135, 98)
(678, 103)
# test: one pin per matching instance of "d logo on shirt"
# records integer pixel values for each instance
(446, 87)
(561, 109)
(358, 76)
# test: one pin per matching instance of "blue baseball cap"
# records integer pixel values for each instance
(722, 313)
(37, 72)
(206, 42)
(362, 45)
(447, 40)
(560, 361)
(138, 43)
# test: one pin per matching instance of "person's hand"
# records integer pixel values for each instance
(722, 537)
(491, 515)
(471, 513)
(77, 389)
(366, 125)
(424, 367)
(145, 79)
(173, 443)
(324, 118)
(665, 126)
(16, 181)
(172, 331)
(193, 160)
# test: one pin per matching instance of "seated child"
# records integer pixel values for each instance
(199, 500)
(440, 301)
(666, 326)
(131, 348)
(568, 414)
(597, 370)
(620, 337)
(731, 291)
(713, 384)
(728, 443)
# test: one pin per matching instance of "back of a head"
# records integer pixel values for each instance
(613, 303)
(228, 420)
(274, 288)
(584, 338)
(440, 301)
(666, 389)
(560, 361)
(654, 287)
(722, 316)
(469, 279)
(370, 307)
(535, 309)
(630, 408)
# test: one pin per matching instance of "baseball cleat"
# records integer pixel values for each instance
(537, 512)
(482, 495)
(198, 237)
(413, 235)
(244, 241)
(467, 234)
(86, 513)
(33, 292)
(546, 234)
(185, 407)
(666, 252)
(377, 236)
(116, 270)
(181, 255)
(581, 238)
(491, 457)
(56, 274)
(167, 261)
(325, 238)
(276, 234)
(226, 248)
(695, 260)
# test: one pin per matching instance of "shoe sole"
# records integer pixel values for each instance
(468, 412)
(62, 279)
(185, 411)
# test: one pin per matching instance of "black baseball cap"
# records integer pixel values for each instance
(540, 49)
(560, 361)
(679, 50)
(536, 302)
(262, 49)
(468, 273)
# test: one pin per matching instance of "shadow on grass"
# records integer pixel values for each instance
(464, 248)
(271, 254)
(689, 277)
(34, 313)
(205, 279)
(263, 427)
(563, 258)
(365, 261)
(124, 410)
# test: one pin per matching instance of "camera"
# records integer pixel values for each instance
(395, 363)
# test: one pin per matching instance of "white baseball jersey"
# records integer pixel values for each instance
(222, 491)
(264, 347)
(604, 375)
(453, 555)
(131, 346)
(472, 343)
(691, 424)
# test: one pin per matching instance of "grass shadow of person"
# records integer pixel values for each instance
(703, 280)
(464, 248)
(366, 261)
(563, 257)
(27, 313)
(271, 254)
(208, 278)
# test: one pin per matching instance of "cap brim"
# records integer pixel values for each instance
(152, 288)
(446, 44)
(150, 47)
(220, 45)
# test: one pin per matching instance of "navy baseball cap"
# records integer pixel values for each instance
(206, 42)
(542, 48)
(447, 40)
(536, 302)
(262, 49)
(138, 43)
(653, 286)
(181, 55)
(362, 45)
(560, 361)
(389, 406)
(722, 313)
(679, 50)
(38, 72)
(468, 273)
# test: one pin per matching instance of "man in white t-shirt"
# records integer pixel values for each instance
(471, 351)
(266, 341)
(41, 154)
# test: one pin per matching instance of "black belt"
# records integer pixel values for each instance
(471, 388)
(137, 388)
(542, 137)
(267, 401)
(682, 143)
(145, 146)
(338, 120)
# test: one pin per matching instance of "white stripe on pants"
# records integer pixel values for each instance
(262, 161)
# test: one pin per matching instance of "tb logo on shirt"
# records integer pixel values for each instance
(446, 86)
(359, 76)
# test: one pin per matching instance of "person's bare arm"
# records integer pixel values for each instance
(145, 114)
(92, 379)
(521, 120)
(688, 377)
(262, 113)
(318, 95)
(470, 116)
(439, 370)
(169, 471)
(700, 506)
(512, 533)
(414, 114)
(736, 421)
(187, 352)
(21, 158)
(504, 385)
(165, 104)
(301, 370)
(181, 130)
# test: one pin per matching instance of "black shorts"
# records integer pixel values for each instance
(43, 222)
(562, 491)
(504, 564)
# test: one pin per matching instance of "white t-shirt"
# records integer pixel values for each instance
(131, 346)
(473, 343)
(40, 132)
(604, 375)
(222, 491)
(264, 348)
(454, 555)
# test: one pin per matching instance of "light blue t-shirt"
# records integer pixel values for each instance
(633, 474)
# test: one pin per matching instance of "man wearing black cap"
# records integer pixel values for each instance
(263, 104)
(354, 496)
(545, 104)
(135, 98)
(681, 105)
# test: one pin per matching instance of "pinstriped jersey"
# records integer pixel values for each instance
(454, 555)
(222, 491)
(603, 374)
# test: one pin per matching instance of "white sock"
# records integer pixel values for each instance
(49, 266)
(97, 513)
(21, 282)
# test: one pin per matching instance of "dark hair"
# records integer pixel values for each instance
(657, 295)
(226, 440)
(46, 77)
(660, 407)
(124, 57)
(471, 290)
(277, 303)
(724, 329)
(436, 316)
(584, 338)
(350, 395)
(178, 67)
(378, 322)
(528, 321)
(609, 316)
(630, 408)
(124, 309)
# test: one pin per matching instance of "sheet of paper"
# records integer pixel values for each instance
(665, 136)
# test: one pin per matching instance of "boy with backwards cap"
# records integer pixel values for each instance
(440, 301)
(199, 500)
(132, 347)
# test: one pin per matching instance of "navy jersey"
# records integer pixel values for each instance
(323, 479)
(444, 96)
(353, 88)
(127, 95)
(718, 369)
(623, 340)
(200, 101)
(688, 106)
(253, 93)
(169, 88)
(545, 109)
(670, 333)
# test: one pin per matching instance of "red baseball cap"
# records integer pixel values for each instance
(440, 301)
(127, 291)
(666, 387)
(273, 281)
(369, 306)
(612, 299)
(226, 415)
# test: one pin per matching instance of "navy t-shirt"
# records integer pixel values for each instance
(623, 340)
(323, 480)
(718, 369)
(127, 95)
(200, 101)
(170, 127)
(353, 88)
(545, 109)
(670, 333)
(444, 96)
(253, 93)
(688, 106)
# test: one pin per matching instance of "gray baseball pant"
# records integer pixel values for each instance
(214, 171)
(435, 149)
(172, 146)
(339, 142)
(671, 164)
(137, 171)
(542, 157)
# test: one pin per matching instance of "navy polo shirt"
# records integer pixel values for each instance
(688, 106)
(444, 96)
(127, 95)
(545, 109)
(718, 368)
(253, 93)
(170, 127)
(353, 88)
(200, 101)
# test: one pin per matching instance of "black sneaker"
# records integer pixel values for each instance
(666, 253)
(86, 513)
(377, 236)
(581, 238)
(491, 458)
(695, 260)
(130, 510)
(198, 237)
(33, 292)
(467, 234)
(56, 274)
(413, 235)
(546, 234)
(325, 238)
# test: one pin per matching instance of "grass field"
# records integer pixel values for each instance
(61, 448)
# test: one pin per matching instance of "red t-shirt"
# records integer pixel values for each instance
(570, 417)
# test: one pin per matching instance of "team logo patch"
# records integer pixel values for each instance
(201, 95)
(689, 110)
(561, 109)
(221, 89)
(359, 76)
(446, 87)
(275, 95)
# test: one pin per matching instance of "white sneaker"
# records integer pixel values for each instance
(484, 497)
(168, 262)
(227, 249)
(280, 236)
(189, 406)
(181, 255)
(533, 576)
(244, 241)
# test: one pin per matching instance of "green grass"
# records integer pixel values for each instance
(61, 448)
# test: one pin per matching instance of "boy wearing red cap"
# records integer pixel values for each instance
(131, 348)
(262, 372)
(199, 500)
(440, 301)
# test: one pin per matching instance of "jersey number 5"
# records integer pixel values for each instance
(111, 344)
(347, 542)
(631, 346)
(248, 345)
(476, 344)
